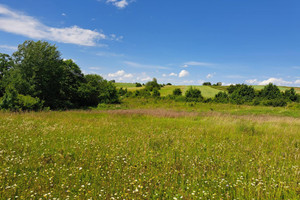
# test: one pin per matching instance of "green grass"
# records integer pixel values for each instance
(141, 151)
(125, 85)
(206, 91)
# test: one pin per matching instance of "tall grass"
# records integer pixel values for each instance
(140, 155)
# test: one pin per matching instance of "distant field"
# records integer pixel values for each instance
(207, 91)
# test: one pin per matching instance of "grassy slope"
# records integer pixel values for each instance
(83, 154)
(207, 91)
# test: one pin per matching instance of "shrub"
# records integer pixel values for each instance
(193, 94)
(156, 93)
(270, 91)
(138, 85)
(16, 102)
(279, 102)
(221, 97)
(206, 83)
(241, 93)
(177, 92)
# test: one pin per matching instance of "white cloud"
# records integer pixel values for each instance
(276, 81)
(209, 75)
(172, 74)
(252, 81)
(21, 24)
(193, 63)
(138, 65)
(128, 76)
(164, 75)
(8, 47)
(120, 75)
(118, 3)
(117, 74)
(183, 73)
(64, 14)
(185, 66)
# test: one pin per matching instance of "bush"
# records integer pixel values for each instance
(138, 85)
(270, 91)
(193, 94)
(239, 94)
(16, 102)
(221, 97)
(274, 102)
(156, 93)
(177, 92)
(206, 83)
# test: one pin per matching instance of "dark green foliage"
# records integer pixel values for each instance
(13, 101)
(177, 92)
(71, 80)
(270, 91)
(241, 94)
(6, 64)
(138, 85)
(206, 83)
(152, 84)
(221, 97)
(142, 93)
(156, 93)
(96, 90)
(291, 95)
(169, 84)
(279, 102)
(122, 92)
(193, 94)
(38, 72)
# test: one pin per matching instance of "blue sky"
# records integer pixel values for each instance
(182, 42)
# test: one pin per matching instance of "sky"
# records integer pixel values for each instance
(180, 42)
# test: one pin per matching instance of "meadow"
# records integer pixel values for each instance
(150, 149)
(206, 91)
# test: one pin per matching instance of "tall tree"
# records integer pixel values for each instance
(6, 64)
(38, 72)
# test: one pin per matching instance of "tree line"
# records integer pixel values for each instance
(270, 95)
(36, 77)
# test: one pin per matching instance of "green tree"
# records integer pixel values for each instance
(38, 72)
(152, 84)
(177, 92)
(193, 94)
(71, 81)
(96, 90)
(156, 93)
(6, 63)
(270, 91)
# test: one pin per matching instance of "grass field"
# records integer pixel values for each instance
(206, 91)
(152, 150)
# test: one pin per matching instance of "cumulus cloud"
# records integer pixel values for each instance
(18, 23)
(276, 81)
(172, 74)
(183, 73)
(117, 74)
(252, 81)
